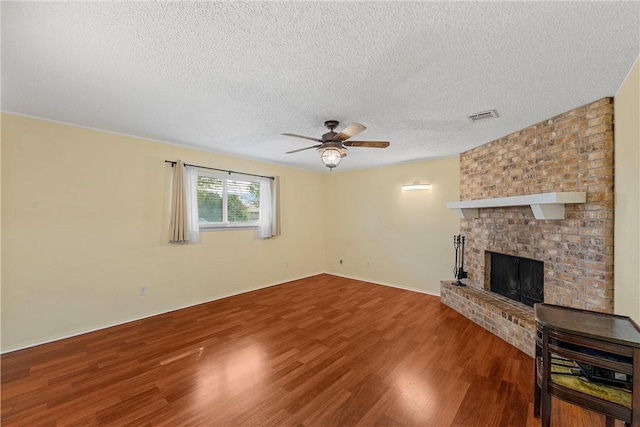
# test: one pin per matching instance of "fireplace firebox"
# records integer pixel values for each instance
(520, 279)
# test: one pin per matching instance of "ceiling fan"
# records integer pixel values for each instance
(332, 147)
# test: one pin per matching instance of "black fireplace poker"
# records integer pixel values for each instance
(458, 269)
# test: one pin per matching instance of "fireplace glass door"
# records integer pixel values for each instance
(520, 279)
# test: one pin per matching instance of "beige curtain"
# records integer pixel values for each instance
(275, 195)
(178, 223)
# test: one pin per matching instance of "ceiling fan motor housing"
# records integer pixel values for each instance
(329, 136)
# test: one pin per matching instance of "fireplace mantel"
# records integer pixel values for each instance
(543, 205)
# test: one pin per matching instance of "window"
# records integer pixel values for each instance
(227, 202)
(204, 200)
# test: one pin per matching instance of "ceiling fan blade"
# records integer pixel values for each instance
(302, 136)
(368, 144)
(349, 131)
(302, 149)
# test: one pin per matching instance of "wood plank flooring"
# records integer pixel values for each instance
(322, 351)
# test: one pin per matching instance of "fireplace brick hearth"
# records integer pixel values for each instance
(508, 319)
(569, 152)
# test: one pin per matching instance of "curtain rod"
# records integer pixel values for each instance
(173, 162)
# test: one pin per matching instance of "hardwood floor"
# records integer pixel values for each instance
(322, 351)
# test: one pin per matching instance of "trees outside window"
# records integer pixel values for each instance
(225, 202)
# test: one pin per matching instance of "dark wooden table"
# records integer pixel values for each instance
(606, 341)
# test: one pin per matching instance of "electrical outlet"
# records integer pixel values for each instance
(142, 291)
(286, 263)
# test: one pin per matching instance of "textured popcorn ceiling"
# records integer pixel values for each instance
(230, 77)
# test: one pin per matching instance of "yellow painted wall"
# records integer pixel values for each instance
(407, 236)
(0, 229)
(84, 216)
(84, 224)
(627, 193)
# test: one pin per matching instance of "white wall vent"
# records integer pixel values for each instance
(482, 116)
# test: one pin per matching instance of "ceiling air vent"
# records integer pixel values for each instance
(482, 116)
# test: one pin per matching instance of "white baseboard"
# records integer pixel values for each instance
(391, 285)
(145, 316)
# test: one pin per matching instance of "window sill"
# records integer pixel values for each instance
(243, 227)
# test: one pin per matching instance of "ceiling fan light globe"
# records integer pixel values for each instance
(331, 157)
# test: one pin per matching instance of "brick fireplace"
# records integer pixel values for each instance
(571, 152)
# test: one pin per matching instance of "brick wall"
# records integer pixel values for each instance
(570, 152)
